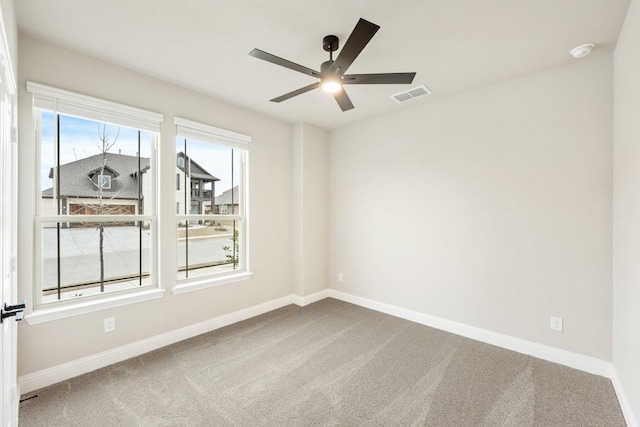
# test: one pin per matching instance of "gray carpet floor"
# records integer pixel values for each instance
(328, 364)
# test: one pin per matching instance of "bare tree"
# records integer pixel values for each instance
(100, 207)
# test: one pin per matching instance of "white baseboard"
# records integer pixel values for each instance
(310, 299)
(46, 377)
(623, 399)
(552, 354)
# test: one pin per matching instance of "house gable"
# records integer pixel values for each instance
(79, 178)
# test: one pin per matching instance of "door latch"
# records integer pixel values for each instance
(16, 311)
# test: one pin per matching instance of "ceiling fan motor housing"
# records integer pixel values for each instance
(325, 67)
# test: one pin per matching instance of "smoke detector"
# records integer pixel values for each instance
(582, 50)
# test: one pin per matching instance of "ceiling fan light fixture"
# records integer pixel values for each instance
(331, 84)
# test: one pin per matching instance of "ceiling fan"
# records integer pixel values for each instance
(332, 73)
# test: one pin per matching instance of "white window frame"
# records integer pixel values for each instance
(206, 133)
(65, 102)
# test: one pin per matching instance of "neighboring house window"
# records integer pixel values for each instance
(178, 184)
(104, 181)
(96, 217)
(212, 244)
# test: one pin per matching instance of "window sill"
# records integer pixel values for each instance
(210, 283)
(43, 315)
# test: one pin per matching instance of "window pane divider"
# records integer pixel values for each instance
(94, 218)
(205, 217)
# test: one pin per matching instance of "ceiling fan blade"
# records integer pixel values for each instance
(343, 100)
(296, 92)
(373, 79)
(257, 53)
(362, 33)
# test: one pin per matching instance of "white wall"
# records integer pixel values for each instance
(492, 208)
(311, 210)
(57, 342)
(7, 9)
(626, 208)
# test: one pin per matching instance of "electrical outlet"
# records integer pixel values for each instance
(340, 277)
(556, 323)
(110, 324)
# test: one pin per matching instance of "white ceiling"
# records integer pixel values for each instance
(453, 45)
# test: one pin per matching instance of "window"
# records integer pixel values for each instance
(96, 214)
(178, 184)
(104, 181)
(212, 242)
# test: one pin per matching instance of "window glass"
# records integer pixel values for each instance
(104, 181)
(88, 264)
(211, 225)
(95, 169)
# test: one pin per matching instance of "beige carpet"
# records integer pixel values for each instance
(330, 363)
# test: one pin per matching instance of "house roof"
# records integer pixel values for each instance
(196, 170)
(225, 198)
(75, 177)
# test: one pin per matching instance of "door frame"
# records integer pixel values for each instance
(9, 392)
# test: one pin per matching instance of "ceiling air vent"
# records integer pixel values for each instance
(416, 92)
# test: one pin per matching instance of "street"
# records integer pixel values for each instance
(80, 253)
